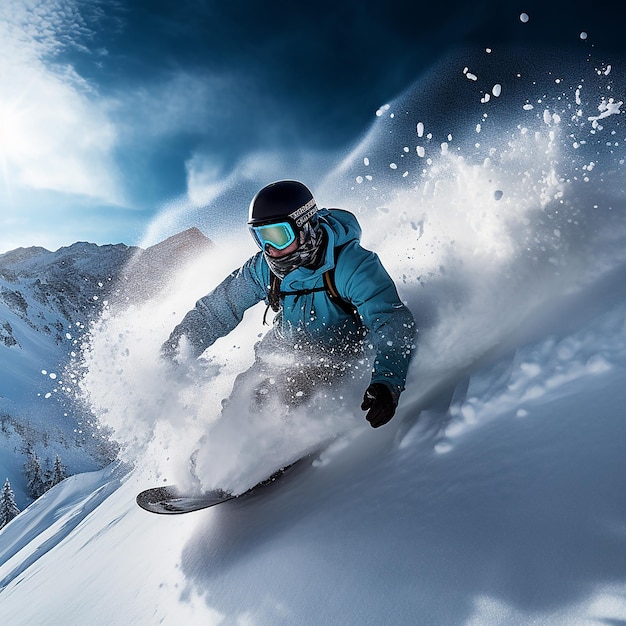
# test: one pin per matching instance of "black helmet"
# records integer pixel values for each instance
(285, 199)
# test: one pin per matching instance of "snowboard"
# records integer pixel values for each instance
(170, 500)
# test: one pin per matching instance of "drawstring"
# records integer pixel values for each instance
(273, 296)
(273, 292)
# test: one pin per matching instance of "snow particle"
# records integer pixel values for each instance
(597, 365)
(534, 392)
(532, 370)
(583, 35)
(443, 447)
(524, 17)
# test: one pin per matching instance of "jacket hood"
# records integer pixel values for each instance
(341, 226)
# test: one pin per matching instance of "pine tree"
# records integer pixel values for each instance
(34, 474)
(8, 508)
(59, 472)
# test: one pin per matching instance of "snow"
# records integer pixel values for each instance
(521, 520)
(495, 496)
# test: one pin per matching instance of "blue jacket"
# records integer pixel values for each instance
(310, 318)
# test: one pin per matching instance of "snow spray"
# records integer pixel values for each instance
(491, 190)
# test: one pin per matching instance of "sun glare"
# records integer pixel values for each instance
(10, 137)
(9, 128)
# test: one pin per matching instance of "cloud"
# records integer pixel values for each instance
(217, 198)
(205, 180)
(181, 101)
(56, 133)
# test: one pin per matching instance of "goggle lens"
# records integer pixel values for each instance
(279, 236)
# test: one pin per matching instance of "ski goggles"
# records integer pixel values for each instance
(280, 235)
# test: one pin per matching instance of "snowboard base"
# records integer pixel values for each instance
(170, 500)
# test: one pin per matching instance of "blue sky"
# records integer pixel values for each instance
(115, 115)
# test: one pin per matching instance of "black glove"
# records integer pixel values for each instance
(381, 404)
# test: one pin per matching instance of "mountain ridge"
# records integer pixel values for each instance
(48, 299)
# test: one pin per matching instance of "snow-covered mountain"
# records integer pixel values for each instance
(47, 301)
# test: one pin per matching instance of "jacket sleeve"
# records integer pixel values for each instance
(220, 311)
(362, 279)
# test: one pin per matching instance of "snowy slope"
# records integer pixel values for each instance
(513, 513)
(496, 494)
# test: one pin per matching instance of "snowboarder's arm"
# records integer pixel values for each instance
(219, 312)
(390, 323)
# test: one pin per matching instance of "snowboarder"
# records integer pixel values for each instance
(335, 304)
